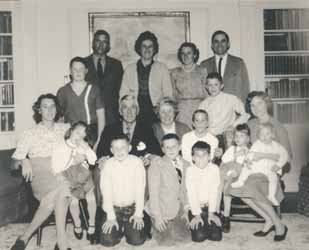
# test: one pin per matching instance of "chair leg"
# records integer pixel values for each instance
(278, 210)
(83, 213)
(39, 236)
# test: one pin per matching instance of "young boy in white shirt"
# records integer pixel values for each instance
(202, 183)
(200, 133)
(123, 181)
(225, 110)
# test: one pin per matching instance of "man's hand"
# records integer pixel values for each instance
(214, 218)
(218, 152)
(195, 222)
(27, 170)
(108, 226)
(138, 222)
(146, 160)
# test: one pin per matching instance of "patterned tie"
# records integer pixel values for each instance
(220, 66)
(100, 70)
(179, 173)
(128, 132)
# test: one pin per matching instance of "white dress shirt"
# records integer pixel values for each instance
(202, 187)
(222, 110)
(123, 184)
(223, 63)
(190, 138)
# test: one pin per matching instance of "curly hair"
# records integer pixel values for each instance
(147, 35)
(166, 101)
(36, 107)
(195, 50)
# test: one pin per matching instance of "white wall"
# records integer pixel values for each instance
(48, 33)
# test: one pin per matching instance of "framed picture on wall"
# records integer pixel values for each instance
(171, 28)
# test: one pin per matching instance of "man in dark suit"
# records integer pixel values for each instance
(106, 72)
(142, 138)
(232, 69)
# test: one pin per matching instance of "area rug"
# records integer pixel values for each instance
(240, 238)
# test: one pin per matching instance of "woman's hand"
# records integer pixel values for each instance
(27, 170)
(138, 222)
(102, 161)
(275, 168)
(194, 223)
(108, 226)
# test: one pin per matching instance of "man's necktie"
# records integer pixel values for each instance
(179, 173)
(100, 70)
(128, 132)
(220, 66)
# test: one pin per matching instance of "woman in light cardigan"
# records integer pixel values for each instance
(147, 80)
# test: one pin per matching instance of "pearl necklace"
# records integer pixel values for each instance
(190, 69)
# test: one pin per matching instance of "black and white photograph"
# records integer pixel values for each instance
(142, 124)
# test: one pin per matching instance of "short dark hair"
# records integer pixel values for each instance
(147, 35)
(200, 145)
(120, 136)
(78, 59)
(220, 32)
(36, 107)
(215, 75)
(170, 136)
(243, 128)
(195, 50)
(199, 111)
(265, 97)
(74, 126)
(105, 33)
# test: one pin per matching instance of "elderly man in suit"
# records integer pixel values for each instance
(106, 72)
(142, 138)
(232, 69)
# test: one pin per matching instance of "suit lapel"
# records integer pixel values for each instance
(229, 67)
(92, 69)
(213, 64)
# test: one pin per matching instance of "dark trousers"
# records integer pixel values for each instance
(133, 236)
(207, 231)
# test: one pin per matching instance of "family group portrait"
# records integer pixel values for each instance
(154, 125)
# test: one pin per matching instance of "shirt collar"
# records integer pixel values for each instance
(224, 57)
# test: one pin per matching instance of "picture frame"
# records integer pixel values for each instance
(172, 28)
